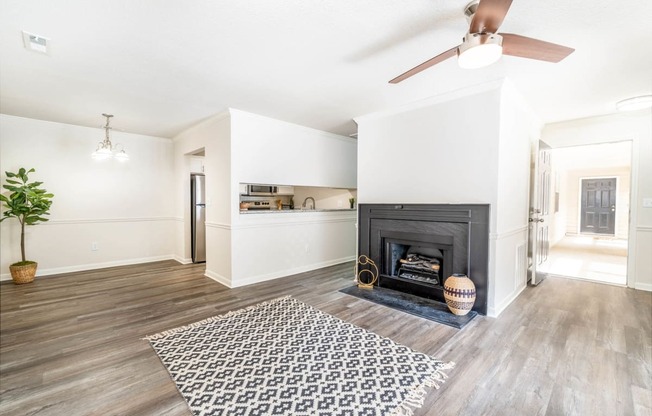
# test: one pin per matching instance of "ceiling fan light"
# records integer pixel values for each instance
(479, 50)
(635, 103)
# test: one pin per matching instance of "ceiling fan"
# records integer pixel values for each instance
(483, 46)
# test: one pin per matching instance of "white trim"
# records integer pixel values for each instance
(265, 223)
(644, 229)
(633, 213)
(512, 232)
(643, 286)
(107, 220)
(293, 222)
(93, 266)
(219, 225)
(275, 275)
(495, 312)
(218, 278)
(182, 260)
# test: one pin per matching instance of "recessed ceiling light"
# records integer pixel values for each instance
(635, 103)
(35, 43)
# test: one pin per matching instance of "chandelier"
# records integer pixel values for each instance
(106, 149)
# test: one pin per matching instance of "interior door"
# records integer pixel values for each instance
(598, 211)
(540, 213)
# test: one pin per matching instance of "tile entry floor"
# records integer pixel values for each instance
(590, 257)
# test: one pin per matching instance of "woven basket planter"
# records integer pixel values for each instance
(23, 274)
(459, 293)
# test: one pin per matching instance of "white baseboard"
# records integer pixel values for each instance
(92, 266)
(497, 310)
(643, 286)
(182, 260)
(218, 278)
(275, 275)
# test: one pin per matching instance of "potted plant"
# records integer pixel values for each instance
(29, 204)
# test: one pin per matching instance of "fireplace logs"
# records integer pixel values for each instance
(421, 264)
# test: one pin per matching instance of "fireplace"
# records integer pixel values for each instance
(417, 246)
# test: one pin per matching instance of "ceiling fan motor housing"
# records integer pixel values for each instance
(470, 9)
(471, 40)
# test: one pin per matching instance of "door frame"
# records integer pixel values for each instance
(632, 211)
(579, 203)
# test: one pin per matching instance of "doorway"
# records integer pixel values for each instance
(589, 228)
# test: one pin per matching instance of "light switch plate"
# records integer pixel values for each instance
(647, 202)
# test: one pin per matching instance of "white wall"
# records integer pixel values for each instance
(214, 137)
(242, 147)
(267, 246)
(272, 151)
(636, 127)
(431, 152)
(124, 207)
(265, 150)
(518, 129)
(471, 146)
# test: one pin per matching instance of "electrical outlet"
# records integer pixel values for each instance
(94, 246)
(307, 248)
(647, 202)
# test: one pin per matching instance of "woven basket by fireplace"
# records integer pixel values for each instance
(459, 293)
(24, 273)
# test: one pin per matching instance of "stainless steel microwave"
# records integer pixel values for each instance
(262, 190)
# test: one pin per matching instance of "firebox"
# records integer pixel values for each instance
(418, 246)
(417, 258)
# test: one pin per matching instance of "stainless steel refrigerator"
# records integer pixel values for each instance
(198, 217)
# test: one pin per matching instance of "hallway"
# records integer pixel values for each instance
(596, 258)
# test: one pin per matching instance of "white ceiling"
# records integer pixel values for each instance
(163, 65)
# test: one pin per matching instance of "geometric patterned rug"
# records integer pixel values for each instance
(284, 357)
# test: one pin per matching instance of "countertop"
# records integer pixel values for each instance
(293, 211)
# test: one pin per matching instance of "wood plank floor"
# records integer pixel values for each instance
(71, 344)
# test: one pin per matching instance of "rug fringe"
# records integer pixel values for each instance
(417, 396)
(229, 314)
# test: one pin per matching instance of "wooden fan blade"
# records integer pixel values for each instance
(430, 62)
(517, 45)
(489, 15)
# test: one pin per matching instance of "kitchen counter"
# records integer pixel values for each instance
(293, 211)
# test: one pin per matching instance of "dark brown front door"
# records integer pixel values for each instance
(598, 206)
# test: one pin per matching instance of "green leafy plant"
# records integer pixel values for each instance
(26, 202)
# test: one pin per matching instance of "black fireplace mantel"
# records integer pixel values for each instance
(466, 224)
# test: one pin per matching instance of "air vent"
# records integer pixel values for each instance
(35, 43)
